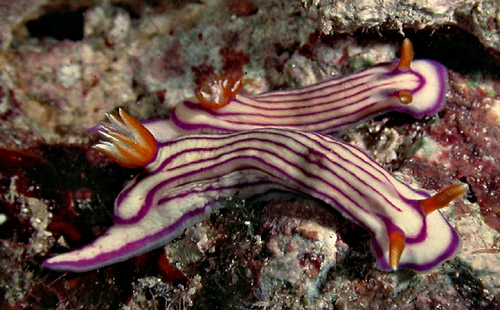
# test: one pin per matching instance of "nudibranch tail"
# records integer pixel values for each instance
(217, 91)
(406, 55)
(443, 198)
(396, 247)
(127, 142)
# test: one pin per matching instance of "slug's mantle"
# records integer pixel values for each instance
(187, 176)
(413, 87)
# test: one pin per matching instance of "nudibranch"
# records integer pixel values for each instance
(185, 178)
(416, 87)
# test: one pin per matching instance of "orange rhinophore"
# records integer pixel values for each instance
(443, 198)
(406, 55)
(396, 247)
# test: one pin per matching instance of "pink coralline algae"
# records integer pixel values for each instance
(469, 133)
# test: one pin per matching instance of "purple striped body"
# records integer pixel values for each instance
(327, 107)
(182, 185)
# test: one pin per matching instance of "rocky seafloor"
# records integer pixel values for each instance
(63, 64)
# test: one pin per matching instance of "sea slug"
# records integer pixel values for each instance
(416, 87)
(184, 178)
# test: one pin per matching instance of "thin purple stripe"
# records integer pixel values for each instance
(149, 201)
(450, 250)
(342, 169)
(301, 104)
(367, 160)
(189, 126)
(299, 99)
(346, 147)
(360, 155)
(313, 88)
(212, 188)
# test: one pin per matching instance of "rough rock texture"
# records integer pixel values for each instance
(478, 17)
(64, 63)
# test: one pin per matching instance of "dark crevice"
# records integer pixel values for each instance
(64, 25)
(452, 46)
(471, 196)
(456, 49)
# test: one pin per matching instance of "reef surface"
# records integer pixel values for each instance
(63, 64)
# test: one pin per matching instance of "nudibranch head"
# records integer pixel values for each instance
(127, 142)
(436, 241)
(217, 91)
(426, 97)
